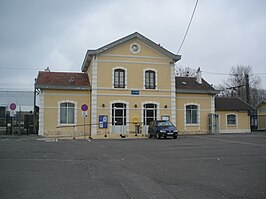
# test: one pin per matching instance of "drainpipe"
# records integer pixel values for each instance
(34, 109)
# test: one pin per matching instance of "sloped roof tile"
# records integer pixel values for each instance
(231, 104)
(62, 80)
(190, 85)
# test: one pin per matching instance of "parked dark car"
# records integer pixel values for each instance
(162, 128)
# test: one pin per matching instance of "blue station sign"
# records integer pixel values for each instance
(134, 92)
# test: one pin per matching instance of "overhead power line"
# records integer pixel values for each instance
(17, 68)
(34, 69)
(17, 84)
(260, 74)
(215, 73)
(188, 27)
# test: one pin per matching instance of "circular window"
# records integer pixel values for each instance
(134, 48)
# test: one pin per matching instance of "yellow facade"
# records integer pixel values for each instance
(132, 81)
(261, 108)
(49, 113)
(101, 71)
(242, 124)
(205, 107)
(261, 111)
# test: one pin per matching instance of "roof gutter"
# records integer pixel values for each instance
(158, 47)
(87, 60)
(55, 87)
(213, 92)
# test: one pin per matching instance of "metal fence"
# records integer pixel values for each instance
(21, 123)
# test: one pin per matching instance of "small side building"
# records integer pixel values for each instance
(233, 114)
(261, 115)
(61, 96)
(194, 102)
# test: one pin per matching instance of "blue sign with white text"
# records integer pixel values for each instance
(103, 121)
(134, 92)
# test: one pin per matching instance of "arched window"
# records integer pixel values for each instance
(231, 119)
(119, 78)
(67, 113)
(191, 114)
(150, 79)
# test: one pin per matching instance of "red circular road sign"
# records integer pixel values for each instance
(13, 106)
(84, 107)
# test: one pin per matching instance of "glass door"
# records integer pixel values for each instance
(119, 121)
(149, 114)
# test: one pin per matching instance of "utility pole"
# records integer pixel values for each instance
(247, 88)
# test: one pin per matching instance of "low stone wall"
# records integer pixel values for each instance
(65, 134)
(193, 133)
(228, 131)
(74, 134)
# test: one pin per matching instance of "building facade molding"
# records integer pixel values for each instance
(94, 96)
(41, 113)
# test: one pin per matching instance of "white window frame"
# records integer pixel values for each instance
(149, 102)
(75, 113)
(127, 110)
(198, 114)
(144, 78)
(113, 76)
(236, 117)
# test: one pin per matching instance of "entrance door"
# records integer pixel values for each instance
(149, 114)
(119, 121)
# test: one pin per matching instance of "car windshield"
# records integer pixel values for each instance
(165, 123)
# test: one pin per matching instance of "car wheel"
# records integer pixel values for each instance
(175, 136)
(158, 136)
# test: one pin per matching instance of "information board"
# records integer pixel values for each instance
(103, 121)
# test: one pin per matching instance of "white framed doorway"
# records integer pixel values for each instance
(150, 113)
(119, 118)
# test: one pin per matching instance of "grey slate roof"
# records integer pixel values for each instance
(231, 104)
(135, 35)
(190, 85)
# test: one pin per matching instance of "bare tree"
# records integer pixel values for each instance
(242, 83)
(185, 71)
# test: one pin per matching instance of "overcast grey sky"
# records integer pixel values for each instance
(57, 33)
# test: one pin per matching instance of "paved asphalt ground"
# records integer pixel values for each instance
(224, 166)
